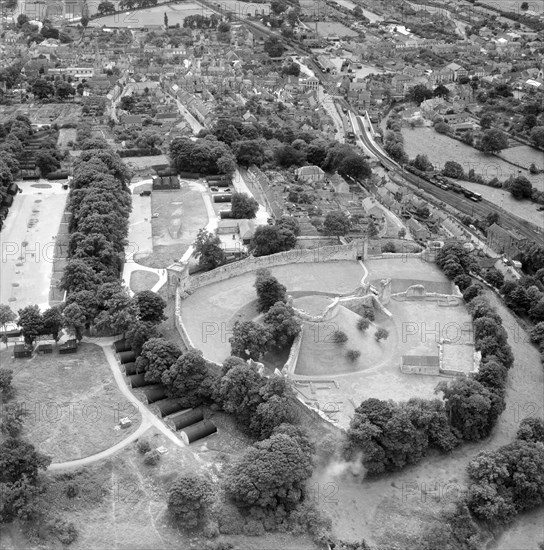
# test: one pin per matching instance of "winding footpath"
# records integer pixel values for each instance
(148, 418)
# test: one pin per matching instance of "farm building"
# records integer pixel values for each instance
(130, 368)
(183, 419)
(121, 345)
(198, 431)
(138, 381)
(169, 406)
(21, 351)
(126, 357)
(420, 364)
(155, 394)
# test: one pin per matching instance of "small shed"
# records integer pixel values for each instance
(70, 346)
(155, 394)
(21, 351)
(44, 348)
(183, 419)
(12, 189)
(169, 406)
(198, 431)
(138, 381)
(130, 368)
(126, 357)
(121, 345)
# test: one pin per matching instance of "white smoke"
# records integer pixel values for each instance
(337, 468)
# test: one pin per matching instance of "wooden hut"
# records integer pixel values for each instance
(44, 348)
(138, 381)
(120, 346)
(126, 357)
(21, 351)
(198, 431)
(70, 346)
(169, 406)
(155, 394)
(183, 419)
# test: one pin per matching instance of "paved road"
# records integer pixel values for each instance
(148, 418)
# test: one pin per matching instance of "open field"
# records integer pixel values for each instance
(210, 311)
(121, 503)
(326, 28)
(153, 16)
(142, 280)
(398, 506)
(51, 113)
(440, 148)
(27, 242)
(66, 135)
(243, 9)
(73, 402)
(181, 214)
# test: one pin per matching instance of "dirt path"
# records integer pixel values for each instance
(148, 418)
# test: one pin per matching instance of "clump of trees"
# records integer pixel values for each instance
(271, 239)
(207, 155)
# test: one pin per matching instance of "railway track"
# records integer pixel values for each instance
(479, 210)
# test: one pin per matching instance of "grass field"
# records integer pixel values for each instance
(325, 28)
(142, 280)
(52, 113)
(181, 214)
(153, 16)
(73, 402)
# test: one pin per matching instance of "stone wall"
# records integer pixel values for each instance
(186, 284)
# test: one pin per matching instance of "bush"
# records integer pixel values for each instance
(64, 530)
(143, 446)
(368, 313)
(381, 334)
(389, 247)
(363, 323)
(253, 528)
(352, 355)
(152, 457)
(339, 337)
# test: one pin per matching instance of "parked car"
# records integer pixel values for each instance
(145, 194)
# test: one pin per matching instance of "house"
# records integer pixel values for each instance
(310, 174)
(503, 241)
(339, 184)
(418, 231)
(132, 121)
(247, 230)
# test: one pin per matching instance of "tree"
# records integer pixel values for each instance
(6, 316)
(469, 405)
(270, 474)
(75, 320)
(269, 290)
(441, 91)
(249, 340)
(42, 89)
(453, 169)
(422, 162)
(22, 19)
(537, 136)
(53, 322)
(46, 162)
(419, 94)
(270, 414)
(11, 421)
(189, 498)
(336, 223)
(78, 275)
(486, 120)
(249, 151)
(189, 379)
(354, 166)
(139, 333)
(531, 429)
(283, 324)
(158, 355)
(243, 206)
(165, 21)
(64, 90)
(118, 314)
(84, 21)
(150, 307)
(524, 6)
(19, 460)
(6, 376)
(521, 188)
(494, 277)
(381, 334)
(31, 323)
(442, 128)
(273, 46)
(493, 141)
(208, 250)
(507, 481)
(271, 239)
